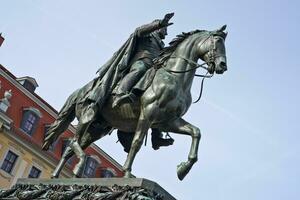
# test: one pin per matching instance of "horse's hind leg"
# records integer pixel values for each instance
(182, 127)
(65, 157)
(141, 130)
(81, 130)
(73, 148)
(83, 141)
(81, 155)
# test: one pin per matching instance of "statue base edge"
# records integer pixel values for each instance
(86, 188)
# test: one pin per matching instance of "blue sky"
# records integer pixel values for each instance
(249, 117)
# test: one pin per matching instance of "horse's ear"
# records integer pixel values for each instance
(222, 28)
(221, 31)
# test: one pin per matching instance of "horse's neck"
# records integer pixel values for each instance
(178, 62)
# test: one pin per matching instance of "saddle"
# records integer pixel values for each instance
(142, 85)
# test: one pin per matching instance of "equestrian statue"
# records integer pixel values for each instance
(143, 86)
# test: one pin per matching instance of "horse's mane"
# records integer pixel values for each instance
(167, 51)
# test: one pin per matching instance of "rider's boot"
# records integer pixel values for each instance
(158, 141)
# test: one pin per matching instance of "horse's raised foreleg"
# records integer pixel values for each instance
(141, 130)
(182, 127)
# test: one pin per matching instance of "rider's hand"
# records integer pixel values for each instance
(165, 21)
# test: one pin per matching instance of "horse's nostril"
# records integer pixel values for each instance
(223, 65)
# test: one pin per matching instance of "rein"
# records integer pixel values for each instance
(188, 70)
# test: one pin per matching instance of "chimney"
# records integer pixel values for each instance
(1, 39)
(28, 82)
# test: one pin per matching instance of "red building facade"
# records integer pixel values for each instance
(30, 117)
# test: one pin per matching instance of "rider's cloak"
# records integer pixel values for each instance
(110, 73)
(100, 88)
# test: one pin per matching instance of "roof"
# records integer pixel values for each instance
(30, 79)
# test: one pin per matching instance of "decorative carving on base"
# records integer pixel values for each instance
(89, 191)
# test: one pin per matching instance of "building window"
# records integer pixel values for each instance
(9, 161)
(30, 120)
(90, 167)
(34, 172)
(106, 173)
(29, 123)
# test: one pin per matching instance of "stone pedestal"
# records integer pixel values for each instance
(86, 189)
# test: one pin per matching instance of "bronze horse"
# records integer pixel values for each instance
(161, 106)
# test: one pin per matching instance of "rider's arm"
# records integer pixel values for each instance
(155, 25)
(148, 28)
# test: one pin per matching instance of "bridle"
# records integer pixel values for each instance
(191, 62)
(212, 55)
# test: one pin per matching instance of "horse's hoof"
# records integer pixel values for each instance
(127, 174)
(76, 176)
(54, 176)
(183, 169)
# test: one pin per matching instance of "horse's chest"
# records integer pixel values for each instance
(179, 105)
(171, 98)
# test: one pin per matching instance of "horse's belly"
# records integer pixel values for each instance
(123, 118)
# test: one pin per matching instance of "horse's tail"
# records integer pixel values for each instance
(65, 116)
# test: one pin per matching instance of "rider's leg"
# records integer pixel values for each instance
(137, 70)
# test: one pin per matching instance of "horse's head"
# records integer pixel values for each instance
(211, 49)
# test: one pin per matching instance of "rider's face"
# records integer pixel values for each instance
(163, 32)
